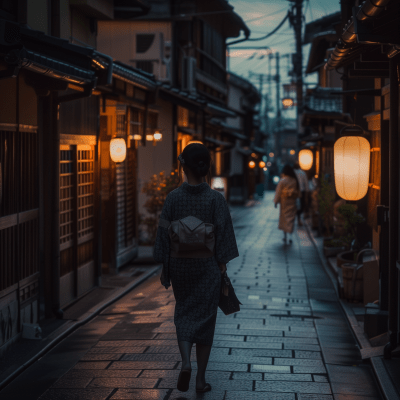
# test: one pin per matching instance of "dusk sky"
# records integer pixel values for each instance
(262, 16)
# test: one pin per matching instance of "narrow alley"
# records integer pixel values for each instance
(289, 341)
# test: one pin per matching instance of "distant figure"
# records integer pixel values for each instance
(303, 183)
(287, 192)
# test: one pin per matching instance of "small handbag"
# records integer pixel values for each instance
(228, 302)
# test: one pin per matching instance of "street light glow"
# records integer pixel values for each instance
(287, 102)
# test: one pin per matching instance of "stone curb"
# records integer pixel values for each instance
(381, 374)
(93, 312)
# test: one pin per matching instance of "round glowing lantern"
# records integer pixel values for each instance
(118, 150)
(351, 163)
(157, 136)
(305, 159)
(252, 164)
(261, 164)
(287, 102)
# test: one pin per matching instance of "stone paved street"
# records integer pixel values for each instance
(290, 340)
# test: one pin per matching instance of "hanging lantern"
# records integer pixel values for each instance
(261, 164)
(305, 159)
(351, 162)
(118, 150)
(157, 136)
(252, 164)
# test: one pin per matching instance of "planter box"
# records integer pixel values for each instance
(345, 257)
(332, 251)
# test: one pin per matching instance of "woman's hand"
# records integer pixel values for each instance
(222, 267)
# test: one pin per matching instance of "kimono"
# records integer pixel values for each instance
(286, 194)
(196, 282)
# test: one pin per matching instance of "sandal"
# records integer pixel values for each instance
(206, 388)
(184, 380)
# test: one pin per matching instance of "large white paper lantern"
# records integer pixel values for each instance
(118, 150)
(305, 159)
(351, 162)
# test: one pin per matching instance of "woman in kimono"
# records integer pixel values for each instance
(286, 194)
(196, 282)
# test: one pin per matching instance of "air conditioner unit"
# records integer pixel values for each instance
(9, 33)
(152, 54)
(189, 74)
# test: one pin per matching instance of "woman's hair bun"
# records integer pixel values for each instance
(197, 158)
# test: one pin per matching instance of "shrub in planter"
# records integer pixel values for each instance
(333, 247)
(156, 190)
(351, 220)
(326, 200)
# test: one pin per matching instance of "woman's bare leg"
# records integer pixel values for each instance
(203, 354)
(185, 348)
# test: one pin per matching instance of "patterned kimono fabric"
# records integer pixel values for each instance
(196, 281)
(286, 194)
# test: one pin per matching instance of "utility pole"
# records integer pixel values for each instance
(278, 87)
(296, 20)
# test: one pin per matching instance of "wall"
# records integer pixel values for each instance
(38, 15)
(117, 38)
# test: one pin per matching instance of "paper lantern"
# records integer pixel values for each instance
(157, 136)
(261, 164)
(252, 164)
(118, 150)
(305, 159)
(287, 102)
(351, 162)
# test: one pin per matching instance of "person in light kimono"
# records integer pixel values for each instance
(286, 194)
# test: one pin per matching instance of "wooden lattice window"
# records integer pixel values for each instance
(19, 204)
(77, 190)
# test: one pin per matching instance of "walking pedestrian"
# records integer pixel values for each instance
(303, 183)
(287, 192)
(196, 279)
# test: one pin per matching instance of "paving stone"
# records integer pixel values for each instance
(142, 365)
(92, 365)
(253, 376)
(308, 354)
(229, 337)
(261, 353)
(299, 362)
(293, 387)
(137, 383)
(241, 359)
(270, 368)
(101, 373)
(221, 366)
(174, 373)
(301, 346)
(259, 396)
(221, 384)
(244, 332)
(117, 350)
(309, 370)
(74, 394)
(282, 340)
(140, 394)
(247, 345)
(72, 383)
(163, 349)
(303, 396)
(320, 378)
(151, 357)
(215, 394)
(288, 377)
(101, 357)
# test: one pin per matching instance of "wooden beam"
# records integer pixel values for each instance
(378, 73)
(371, 66)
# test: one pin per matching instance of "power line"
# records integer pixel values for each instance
(272, 32)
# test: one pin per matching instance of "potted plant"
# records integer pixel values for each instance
(156, 190)
(349, 240)
(326, 200)
(333, 247)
